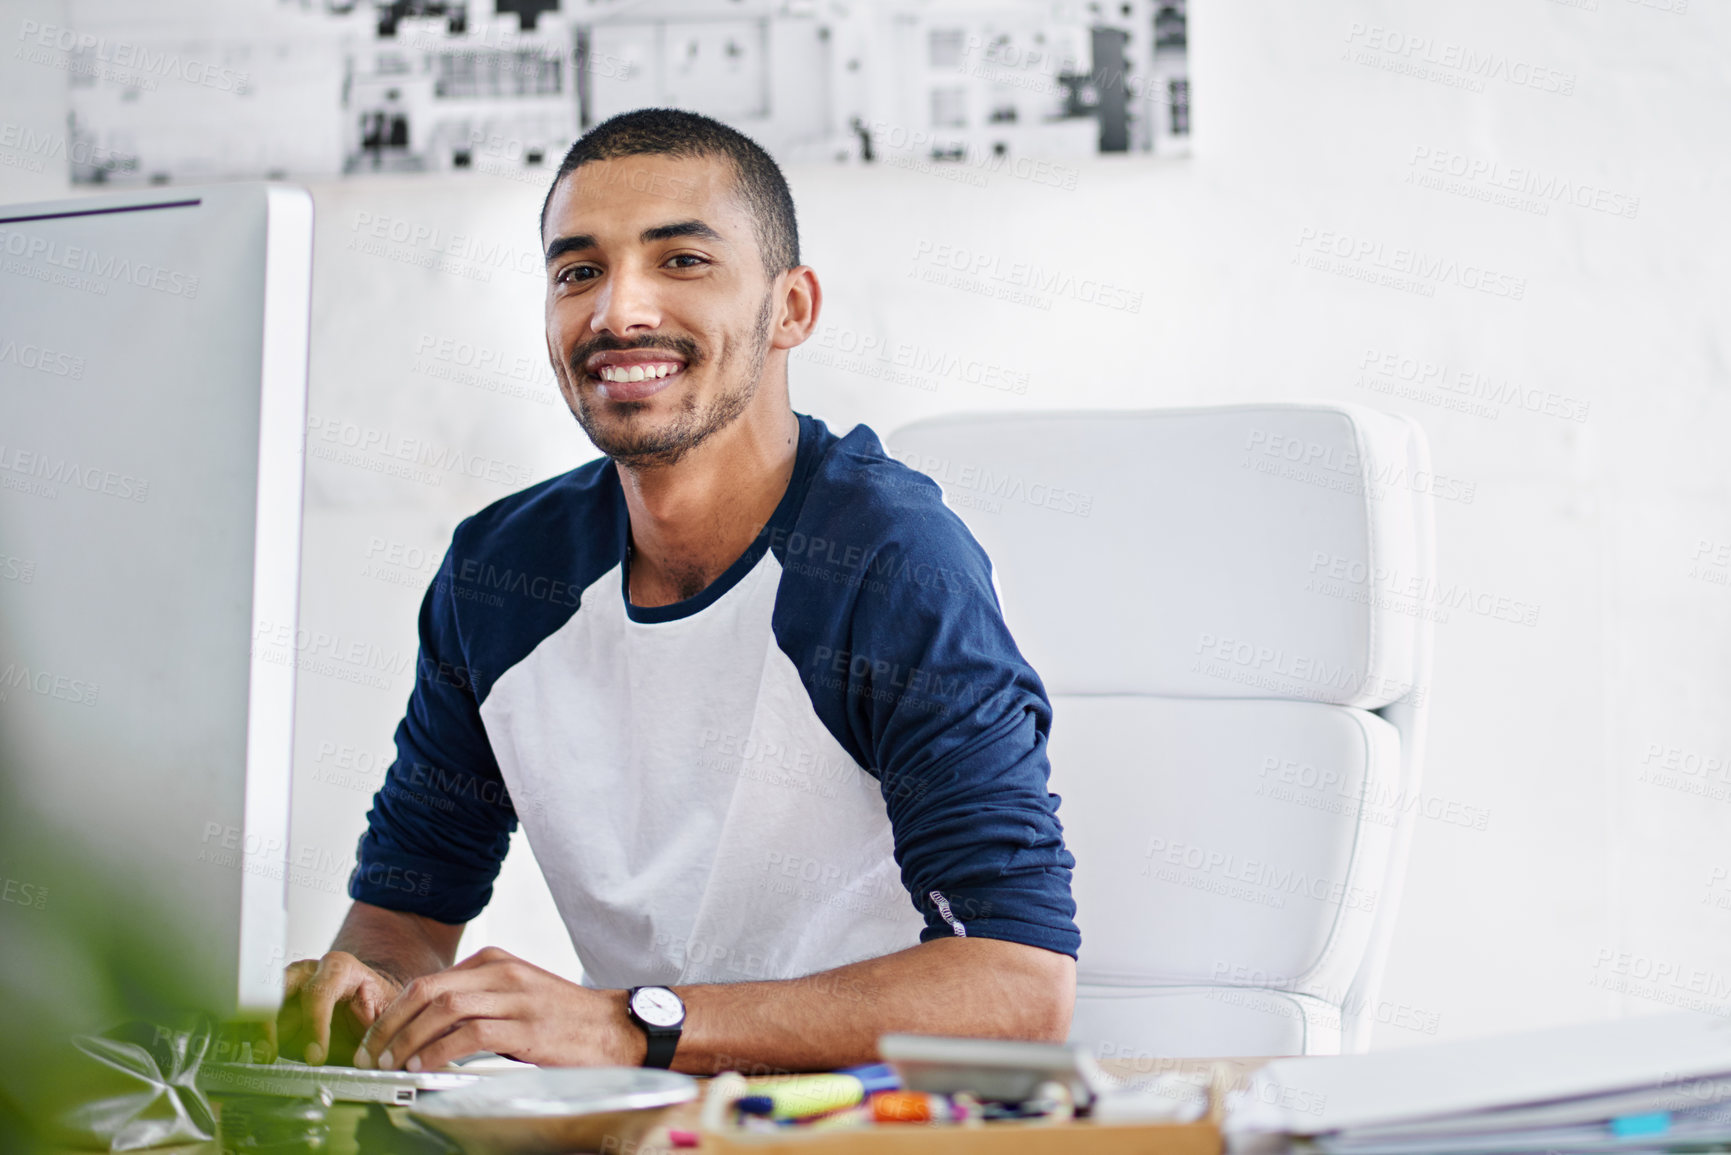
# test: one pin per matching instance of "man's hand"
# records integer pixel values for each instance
(494, 1001)
(328, 1004)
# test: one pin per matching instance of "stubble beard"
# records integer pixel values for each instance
(635, 445)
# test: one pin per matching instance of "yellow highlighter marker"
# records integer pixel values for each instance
(802, 1096)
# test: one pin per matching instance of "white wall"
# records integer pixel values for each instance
(1583, 859)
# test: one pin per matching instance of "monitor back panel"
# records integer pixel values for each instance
(152, 411)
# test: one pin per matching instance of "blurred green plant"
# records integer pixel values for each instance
(81, 953)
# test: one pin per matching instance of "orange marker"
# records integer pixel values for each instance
(906, 1107)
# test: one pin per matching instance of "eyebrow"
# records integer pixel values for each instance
(579, 241)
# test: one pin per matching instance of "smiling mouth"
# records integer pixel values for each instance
(642, 371)
(635, 382)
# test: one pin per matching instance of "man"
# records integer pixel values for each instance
(742, 681)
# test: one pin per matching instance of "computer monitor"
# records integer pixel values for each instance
(153, 364)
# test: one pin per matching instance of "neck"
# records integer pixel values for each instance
(691, 520)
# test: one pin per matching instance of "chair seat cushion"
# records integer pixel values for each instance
(1225, 842)
(1201, 1022)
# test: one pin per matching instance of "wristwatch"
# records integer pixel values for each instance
(661, 1014)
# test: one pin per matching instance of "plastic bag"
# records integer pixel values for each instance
(137, 1088)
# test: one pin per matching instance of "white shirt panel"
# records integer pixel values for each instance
(680, 845)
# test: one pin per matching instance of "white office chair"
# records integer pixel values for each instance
(1228, 607)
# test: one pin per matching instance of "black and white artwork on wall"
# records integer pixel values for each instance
(169, 91)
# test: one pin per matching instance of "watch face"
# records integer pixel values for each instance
(658, 1006)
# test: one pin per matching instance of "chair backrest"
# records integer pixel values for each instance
(1231, 611)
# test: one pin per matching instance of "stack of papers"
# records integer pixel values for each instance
(1645, 1084)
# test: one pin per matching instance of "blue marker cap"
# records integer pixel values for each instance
(1652, 1123)
(754, 1105)
(874, 1077)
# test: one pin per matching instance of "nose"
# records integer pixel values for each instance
(626, 303)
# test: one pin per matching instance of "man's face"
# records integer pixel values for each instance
(658, 307)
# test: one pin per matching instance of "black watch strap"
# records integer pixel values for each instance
(662, 1043)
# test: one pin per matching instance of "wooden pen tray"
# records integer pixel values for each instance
(1009, 1137)
(1005, 1138)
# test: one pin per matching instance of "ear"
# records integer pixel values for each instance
(801, 299)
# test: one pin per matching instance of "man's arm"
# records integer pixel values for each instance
(329, 1002)
(493, 1001)
(979, 987)
(438, 828)
(398, 945)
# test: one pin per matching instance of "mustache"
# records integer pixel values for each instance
(684, 346)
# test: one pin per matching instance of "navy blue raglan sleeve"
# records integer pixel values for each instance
(441, 822)
(938, 702)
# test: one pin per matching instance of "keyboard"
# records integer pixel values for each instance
(347, 1084)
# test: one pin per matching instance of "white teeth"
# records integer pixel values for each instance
(636, 372)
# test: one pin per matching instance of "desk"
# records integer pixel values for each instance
(370, 1128)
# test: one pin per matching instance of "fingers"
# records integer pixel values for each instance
(479, 1034)
(454, 985)
(370, 1002)
(440, 998)
(375, 1041)
(339, 977)
(334, 995)
(297, 973)
(319, 995)
(286, 1028)
(450, 1009)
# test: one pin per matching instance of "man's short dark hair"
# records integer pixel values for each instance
(677, 133)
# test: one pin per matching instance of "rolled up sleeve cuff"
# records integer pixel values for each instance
(1034, 911)
(390, 878)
